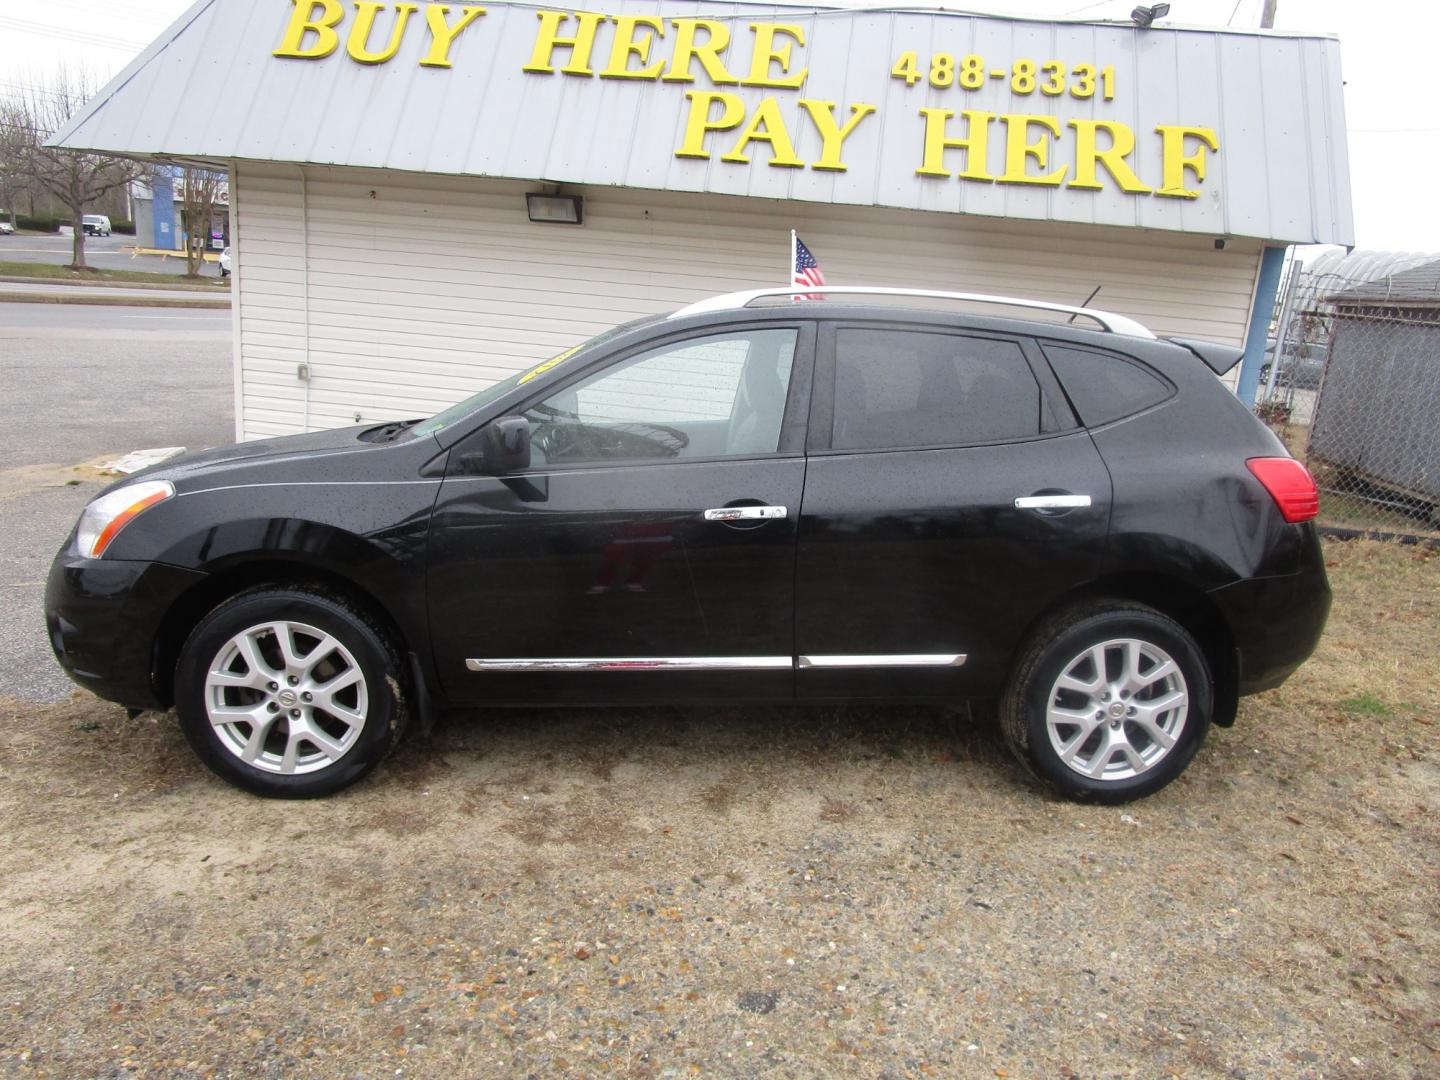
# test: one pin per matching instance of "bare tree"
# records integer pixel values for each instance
(31, 114)
(200, 192)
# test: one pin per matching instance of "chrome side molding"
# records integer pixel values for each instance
(636, 663)
(882, 660)
(717, 663)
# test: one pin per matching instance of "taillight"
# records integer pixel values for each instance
(1289, 484)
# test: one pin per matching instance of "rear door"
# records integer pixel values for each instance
(950, 497)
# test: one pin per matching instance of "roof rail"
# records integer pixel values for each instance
(1115, 324)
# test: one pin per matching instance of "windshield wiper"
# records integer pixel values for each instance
(388, 432)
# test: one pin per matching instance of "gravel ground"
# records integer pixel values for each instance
(787, 893)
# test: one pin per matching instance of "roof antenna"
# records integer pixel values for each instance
(1071, 320)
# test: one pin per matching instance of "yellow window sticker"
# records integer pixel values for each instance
(540, 369)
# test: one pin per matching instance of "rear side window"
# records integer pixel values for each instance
(902, 388)
(1103, 386)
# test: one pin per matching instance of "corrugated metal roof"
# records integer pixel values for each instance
(1417, 286)
(210, 88)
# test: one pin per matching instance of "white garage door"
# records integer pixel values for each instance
(401, 293)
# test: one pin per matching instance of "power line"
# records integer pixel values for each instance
(112, 7)
(79, 37)
(15, 89)
(34, 88)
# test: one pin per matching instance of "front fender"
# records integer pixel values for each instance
(373, 535)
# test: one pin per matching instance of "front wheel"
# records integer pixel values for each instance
(289, 692)
(1108, 702)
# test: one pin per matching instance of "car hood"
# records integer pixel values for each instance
(302, 454)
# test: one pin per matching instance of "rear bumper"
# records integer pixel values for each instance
(103, 615)
(1277, 621)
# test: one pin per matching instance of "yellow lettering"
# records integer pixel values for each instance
(832, 135)
(767, 125)
(548, 39)
(359, 44)
(707, 52)
(767, 53)
(699, 121)
(1088, 155)
(626, 44)
(1177, 161)
(442, 34)
(976, 144)
(319, 17)
(1018, 150)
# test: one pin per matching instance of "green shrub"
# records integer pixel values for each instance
(39, 224)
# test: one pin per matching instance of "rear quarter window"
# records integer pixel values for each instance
(1103, 386)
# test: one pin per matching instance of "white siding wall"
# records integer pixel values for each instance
(419, 290)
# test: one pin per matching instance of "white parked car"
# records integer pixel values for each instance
(225, 263)
(6, 229)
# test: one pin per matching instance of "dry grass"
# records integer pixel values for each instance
(807, 893)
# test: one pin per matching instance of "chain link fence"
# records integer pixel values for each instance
(1351, 383)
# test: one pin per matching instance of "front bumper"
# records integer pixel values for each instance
(103, 616)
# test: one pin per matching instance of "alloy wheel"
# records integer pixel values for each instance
(285, 697)
(1117, 709)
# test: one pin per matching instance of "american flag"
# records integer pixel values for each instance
(807, 270)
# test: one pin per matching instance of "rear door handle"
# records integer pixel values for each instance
(1051, 502)
(745, 513)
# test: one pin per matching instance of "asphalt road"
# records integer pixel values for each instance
(84, 384)
(103, 252)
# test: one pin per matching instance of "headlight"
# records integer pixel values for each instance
(106, 516)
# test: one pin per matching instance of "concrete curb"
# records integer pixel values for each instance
(216, 304)
(214, 290)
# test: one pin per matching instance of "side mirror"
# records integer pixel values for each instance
(506, 446)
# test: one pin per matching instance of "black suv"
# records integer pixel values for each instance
(749, 500)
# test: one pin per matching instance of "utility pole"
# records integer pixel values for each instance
(1267, 15)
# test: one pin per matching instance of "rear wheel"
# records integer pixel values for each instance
(289, 692)
(1108, 702)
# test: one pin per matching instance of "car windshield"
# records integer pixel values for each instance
(462, 409)
(92, 219)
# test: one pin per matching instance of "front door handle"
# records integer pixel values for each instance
(745, 513)
(1052, 502)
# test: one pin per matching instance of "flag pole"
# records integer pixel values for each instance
(790, 271)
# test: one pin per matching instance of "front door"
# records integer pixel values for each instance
(918, 570)
(648, 552)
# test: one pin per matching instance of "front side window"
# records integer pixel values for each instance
(914, 388)
(718, 396)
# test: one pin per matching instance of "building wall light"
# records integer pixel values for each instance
(1144, 17)
(555, 209)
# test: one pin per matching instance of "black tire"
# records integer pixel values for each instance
(373, 650)
(1063, 641)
